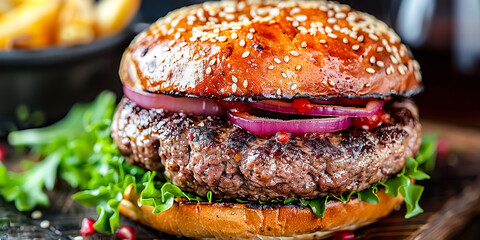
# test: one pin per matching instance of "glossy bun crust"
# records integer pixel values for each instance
(270, 49)
(242, 221)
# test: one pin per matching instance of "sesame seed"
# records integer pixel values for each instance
(222, 39)
(379, 49)
(372, 60)
(234, 36)
(45, 224)
(183, 44)
(36, 214)
(177, 35)
(279, 91)
(216, 30)
(294, 53)
(331, 83)
(330, 13)
(370, 70)
(340, 15)
(355, 47)
(286, 59)
(394, 60)
(250, 36)
(277, 60)
(401, 70)
(242, 43)
(283, 74)
(295, 24)
(270, 67)
(245, 84)
(171, 43)
(302, 30)
(345, 40)
(245, 54)
(234, 79)
(389, 70)
(323, 41)
(336, 27)
(213, 61)
(295, 11)
(373, 36)
(181, 29)
(332, 35)
(293, 87)
(251, 30)
(332, 20)
(304, 44)
(209, 70)
(380, 64)
(328, 29)
(298, 67)
(234, 87)
(193, 39)
(301, 18)
(416, 65)
(360, 38)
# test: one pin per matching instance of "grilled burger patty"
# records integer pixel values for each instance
(204, 153)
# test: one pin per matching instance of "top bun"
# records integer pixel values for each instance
(270, 50)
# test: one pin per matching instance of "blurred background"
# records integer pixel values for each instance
(39, 86)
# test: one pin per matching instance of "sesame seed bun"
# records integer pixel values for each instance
(243, 221)
(270, 50)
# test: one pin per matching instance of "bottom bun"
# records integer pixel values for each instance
(242, 221)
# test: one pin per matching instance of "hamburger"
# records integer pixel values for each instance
(268, 119)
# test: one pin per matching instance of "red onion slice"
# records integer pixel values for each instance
(187, 105)
(320, 110)
(257, 125)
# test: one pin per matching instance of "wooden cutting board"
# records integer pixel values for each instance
(451, 199)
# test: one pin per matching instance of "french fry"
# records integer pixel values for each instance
(30, 25)
(5, 6)
(114, 15)
(76, 22)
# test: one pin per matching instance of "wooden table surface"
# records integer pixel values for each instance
(451, 202)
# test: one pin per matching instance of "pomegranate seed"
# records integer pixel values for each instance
(443, 148)
(191, 136)
(126, 232)
(282, 137)
(3, 153)
(343, 235)
(87, 227)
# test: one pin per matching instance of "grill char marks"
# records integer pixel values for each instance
(204, 153)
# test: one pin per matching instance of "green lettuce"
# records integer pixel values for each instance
(79, 150)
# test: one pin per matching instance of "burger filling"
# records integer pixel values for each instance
(302, 151)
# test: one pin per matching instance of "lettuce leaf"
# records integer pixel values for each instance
(79, 150)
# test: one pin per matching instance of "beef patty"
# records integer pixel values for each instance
(199, 154)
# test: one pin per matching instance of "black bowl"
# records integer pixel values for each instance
(53, 79)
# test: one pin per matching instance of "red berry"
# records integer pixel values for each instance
(443, 147)
(343, 235)
(282, 137)
(3, 153)
(87, 226)
(302, 105)
(126, 232)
